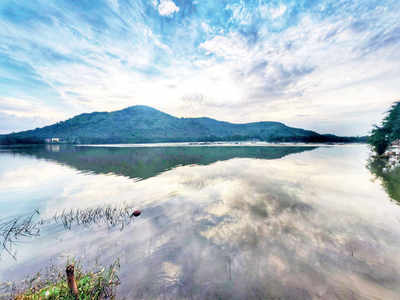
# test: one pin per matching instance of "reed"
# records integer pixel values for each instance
(11, 231)
(15, 229)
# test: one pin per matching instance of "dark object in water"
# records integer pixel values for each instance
(71, 281)
(136, 213)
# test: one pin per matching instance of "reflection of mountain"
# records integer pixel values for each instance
(147, 162)
(390, 177)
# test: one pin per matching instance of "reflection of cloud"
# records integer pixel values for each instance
(27, 176)
(244, 228)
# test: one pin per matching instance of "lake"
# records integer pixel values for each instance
(218, 221)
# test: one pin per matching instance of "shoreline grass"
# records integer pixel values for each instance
(96, 285)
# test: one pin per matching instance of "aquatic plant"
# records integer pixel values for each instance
(16, 228)
(13, 230)
(111, 216)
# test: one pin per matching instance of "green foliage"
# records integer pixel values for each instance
(382, 136)
(97, 285)
(379, 140)
(390, 178)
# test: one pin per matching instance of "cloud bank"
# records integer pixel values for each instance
(330, 66)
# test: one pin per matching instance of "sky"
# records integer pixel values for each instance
(332, 65)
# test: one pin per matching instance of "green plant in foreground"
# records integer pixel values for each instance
(92, 285)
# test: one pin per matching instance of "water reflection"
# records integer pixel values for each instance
(390, 177)
(309, 225)
(146, 162)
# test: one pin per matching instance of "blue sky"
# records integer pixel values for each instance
(331, 66)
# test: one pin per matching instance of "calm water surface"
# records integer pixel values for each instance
(217, 223)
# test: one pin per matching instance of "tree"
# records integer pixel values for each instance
(379, 140)
(382, 136)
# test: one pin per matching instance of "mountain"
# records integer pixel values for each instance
(143, 124)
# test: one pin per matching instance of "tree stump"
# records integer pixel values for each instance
(71, 280)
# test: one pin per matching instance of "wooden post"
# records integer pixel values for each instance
(71, 281)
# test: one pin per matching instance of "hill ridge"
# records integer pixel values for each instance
(145, 124)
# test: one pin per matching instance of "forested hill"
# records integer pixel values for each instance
(141, 124)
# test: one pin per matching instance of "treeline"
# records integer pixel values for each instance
(382, 136)
(326, 138)
(12, 140)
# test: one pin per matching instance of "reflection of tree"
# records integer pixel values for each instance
(390, 177)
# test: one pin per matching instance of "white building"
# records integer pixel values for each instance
(53, 140)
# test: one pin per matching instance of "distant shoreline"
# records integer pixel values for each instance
(144, 124)
(191, 144)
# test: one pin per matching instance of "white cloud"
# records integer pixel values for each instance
(28, 108)
(301, 75)
(307, 74)
(23, 114)
(12, 123)
(277, 11)
(232, 46)
(207, 28)
(167, 8)
(240, 13)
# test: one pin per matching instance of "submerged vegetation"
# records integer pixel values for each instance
(11, 231)
(53, 284)
(110, 216)
(382, 136)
